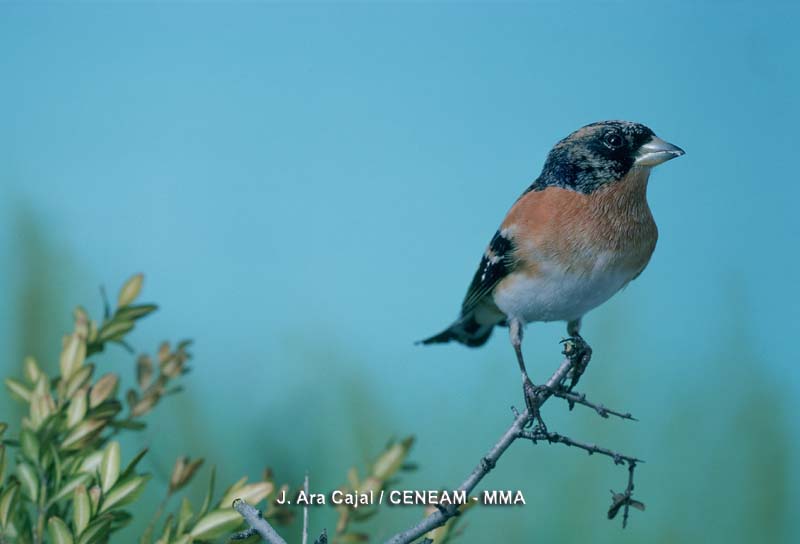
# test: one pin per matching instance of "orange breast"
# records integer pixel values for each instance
(572, 229)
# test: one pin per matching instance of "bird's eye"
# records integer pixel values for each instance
(612, 140)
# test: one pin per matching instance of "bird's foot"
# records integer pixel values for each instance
(579, 353)
(532, 402)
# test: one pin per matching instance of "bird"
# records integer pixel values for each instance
(575, 237)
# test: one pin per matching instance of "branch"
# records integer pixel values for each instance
(554, 386)
(580, 398)
(258, 525)
(305, 512)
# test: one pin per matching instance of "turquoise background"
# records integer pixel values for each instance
(309, 188)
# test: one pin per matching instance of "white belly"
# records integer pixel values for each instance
(556, 294)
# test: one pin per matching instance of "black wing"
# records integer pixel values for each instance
(498, 262)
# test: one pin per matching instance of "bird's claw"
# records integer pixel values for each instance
(532, 393)
(579, 353)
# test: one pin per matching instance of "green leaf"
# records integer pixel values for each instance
(132, 465)
(78, 379)
(114, 330)
(184, 516)
(132, 313)
(30, 445)
(250, 493)
(166, 535)
(109, 466)
(209, 493)
(3, 427)
(59, 532)
(55, 458)
(76, 410)
(18, 390)
(82, 434)
(2, 461)
(72, 484)
(30, 482)
(216, 524)
(119, 519)
(81, 509)
(126, 491)
(96, 532)
(8, 501)
(106, 410)
(91, 463)
(129, 424)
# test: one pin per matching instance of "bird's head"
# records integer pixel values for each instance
(603, 153)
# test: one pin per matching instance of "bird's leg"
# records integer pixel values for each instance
(529, 390)
(579, 352)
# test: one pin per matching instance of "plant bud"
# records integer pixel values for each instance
(183, 472)
(144, 405)
(95, 493)
(72, 355)
(81, 322)
(32, 370)
(130, 290)
(144, 371)
(105, 387)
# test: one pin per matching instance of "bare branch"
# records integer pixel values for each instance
(580, 398)
(258, 525)
(625, 500)
(555, 438)
(305, 512)
(554, 386)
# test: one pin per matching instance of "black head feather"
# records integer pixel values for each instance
(592, 156)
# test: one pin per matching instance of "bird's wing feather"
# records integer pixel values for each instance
(498, 262)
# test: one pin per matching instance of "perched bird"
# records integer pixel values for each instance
(577, 235)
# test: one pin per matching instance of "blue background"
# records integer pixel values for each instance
(309, 188)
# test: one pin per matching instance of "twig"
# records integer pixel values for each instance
(555, 438)
(580, 398)
(305, 512)
(554, 386)
(486, 464)
(158, 513)
(625, 500)
(258, 525)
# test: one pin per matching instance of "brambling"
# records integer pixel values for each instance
(580, 233)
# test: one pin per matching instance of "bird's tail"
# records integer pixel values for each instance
(466, 330)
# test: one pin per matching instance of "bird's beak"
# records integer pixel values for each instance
(657, 151)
